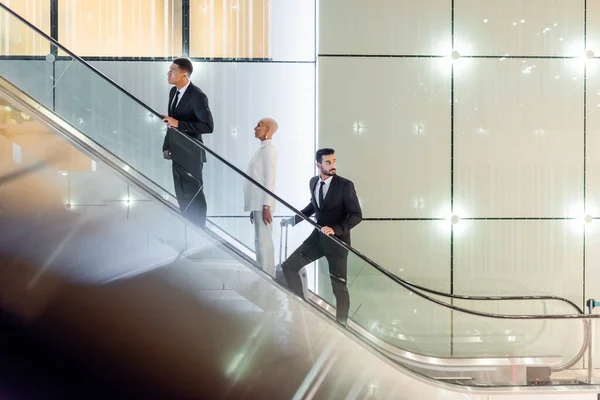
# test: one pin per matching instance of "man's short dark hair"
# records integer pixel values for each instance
(323, 152)
(185, 65)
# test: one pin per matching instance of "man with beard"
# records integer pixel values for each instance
(337, 210)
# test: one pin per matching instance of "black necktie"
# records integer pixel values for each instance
(174, 103)
(321, 195)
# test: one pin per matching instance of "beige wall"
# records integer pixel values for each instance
(16, 38)
(143, 28)
(230, 28)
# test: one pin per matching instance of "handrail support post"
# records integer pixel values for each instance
(591, 304)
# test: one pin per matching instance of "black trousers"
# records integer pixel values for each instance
(190, 195)
(310, 251)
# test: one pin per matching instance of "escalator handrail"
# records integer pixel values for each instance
(403, 282)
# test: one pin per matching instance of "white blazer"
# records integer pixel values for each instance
(262, 168)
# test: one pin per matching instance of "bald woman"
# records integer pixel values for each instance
(263, 169)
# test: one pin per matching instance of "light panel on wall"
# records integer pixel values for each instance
(128, 201)
(419, 128)
(419, 203)
(585, 55)
(359, 128)
(584, 219)
(453, 223)
(453, 219)
(453, 56)
(580, 223)
(461, 64)
(591, 209)
(579, 217)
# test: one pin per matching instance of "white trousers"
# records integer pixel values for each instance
(263, 244)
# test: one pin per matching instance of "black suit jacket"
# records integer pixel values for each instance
(340, 210)
(194, 117)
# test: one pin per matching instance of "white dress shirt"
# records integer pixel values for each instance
(181, 92)
(325, 189)
(263, 169)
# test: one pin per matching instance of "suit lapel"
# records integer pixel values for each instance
(184, 98)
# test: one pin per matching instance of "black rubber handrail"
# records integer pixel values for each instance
(403, 282)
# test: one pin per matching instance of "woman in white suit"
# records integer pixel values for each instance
(263, 169)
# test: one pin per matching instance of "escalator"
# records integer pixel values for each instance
(96, 255)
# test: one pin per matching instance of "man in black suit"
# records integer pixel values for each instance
(336, 206)
(189, 114)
